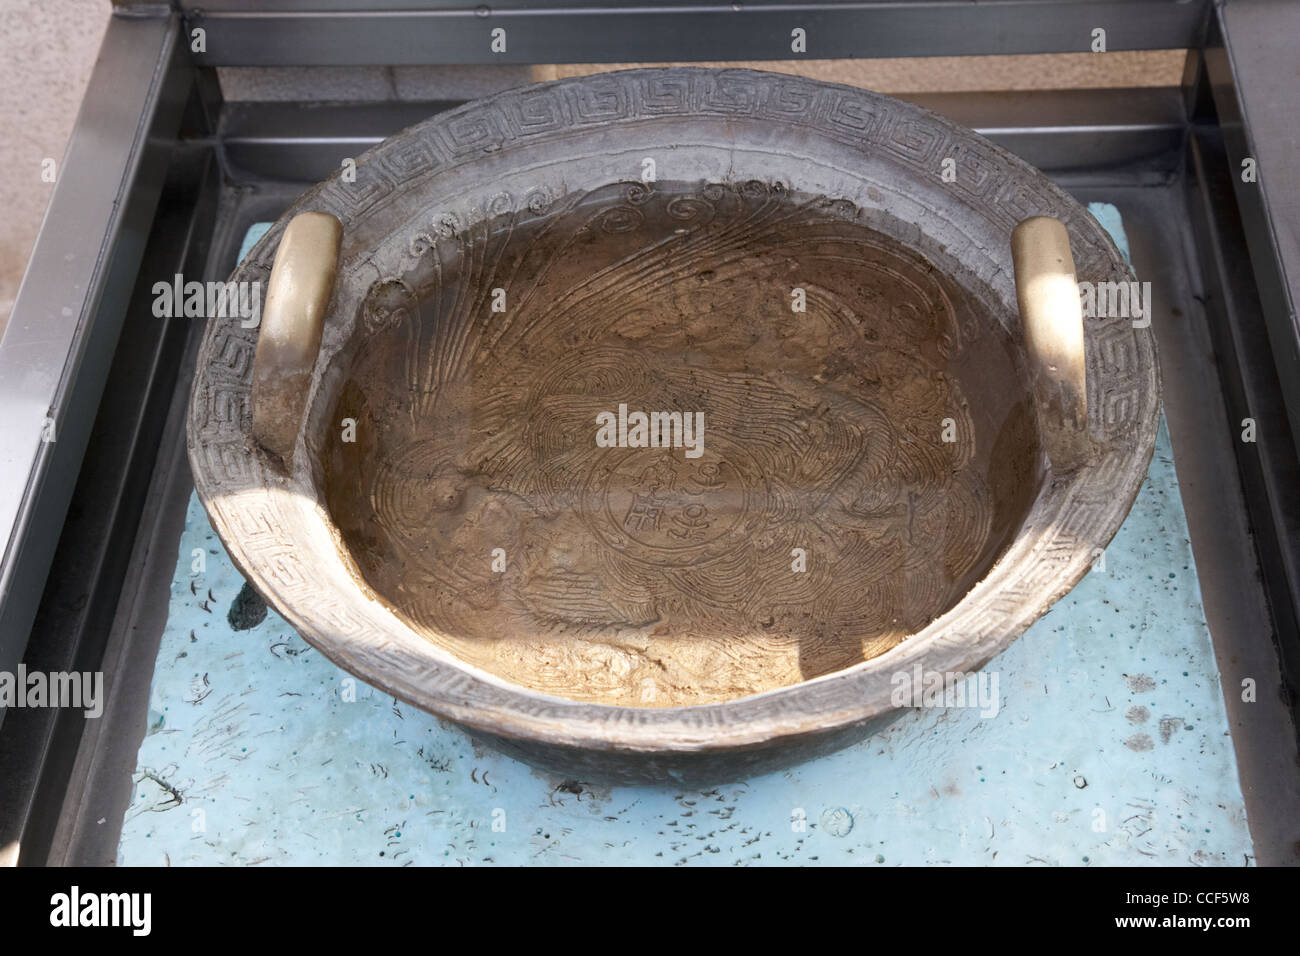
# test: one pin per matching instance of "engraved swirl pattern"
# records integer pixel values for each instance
(639, 575)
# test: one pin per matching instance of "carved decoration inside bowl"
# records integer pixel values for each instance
(867, 448)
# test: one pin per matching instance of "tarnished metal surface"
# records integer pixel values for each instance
(868, 160)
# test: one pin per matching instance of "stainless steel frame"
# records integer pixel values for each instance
(301, 32)
(70, 308)
(162, 176)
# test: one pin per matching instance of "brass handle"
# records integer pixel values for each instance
(297, 295)
(1047, 292)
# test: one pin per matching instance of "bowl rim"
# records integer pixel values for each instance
(1123, 377)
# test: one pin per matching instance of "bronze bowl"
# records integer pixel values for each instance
(895, 468)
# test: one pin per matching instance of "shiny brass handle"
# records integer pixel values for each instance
(297, 295)
(1047, 292)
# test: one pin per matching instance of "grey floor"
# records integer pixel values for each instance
(47, 50)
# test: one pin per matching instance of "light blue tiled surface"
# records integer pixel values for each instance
(1111, 747)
